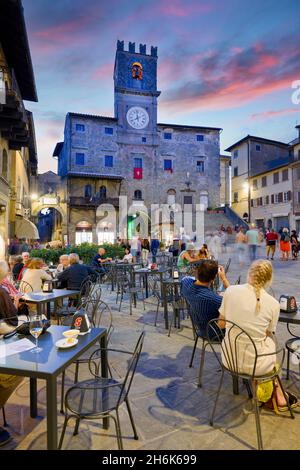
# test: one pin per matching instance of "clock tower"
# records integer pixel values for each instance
(135, 81)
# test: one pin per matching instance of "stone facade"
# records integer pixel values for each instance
(144, 163)
(296, 181)
(252, 156)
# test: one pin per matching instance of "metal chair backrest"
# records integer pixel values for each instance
(226, 269)
(131, 368)
(102, 317)
(85, 289)
(92, 303)
(25, 287)
(234, 346)
(238, 281)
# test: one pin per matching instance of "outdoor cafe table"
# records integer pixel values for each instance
(48, 364)
(145, 272)
(40, 299)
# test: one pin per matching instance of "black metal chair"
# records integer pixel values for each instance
(25, 287)
(227, 266)
(125, 285)
(232, 348)
(205, 343)
(99, 397)
(74, 305)
(293, 347)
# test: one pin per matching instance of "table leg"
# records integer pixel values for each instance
(165, 306)
(146, 286)
(49, 310)
(104, 369)
(235, 385)
(51, 413)
(33, 398)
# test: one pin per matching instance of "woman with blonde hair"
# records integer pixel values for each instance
(256, 312)
(35, 275)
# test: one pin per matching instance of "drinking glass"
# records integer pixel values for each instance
(36, 328)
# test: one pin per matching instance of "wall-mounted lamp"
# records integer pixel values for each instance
(2, 208)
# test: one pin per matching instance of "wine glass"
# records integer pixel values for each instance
(36, 328)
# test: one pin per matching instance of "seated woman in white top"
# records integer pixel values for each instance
(255, 311)
(34, 276)
(128, 258)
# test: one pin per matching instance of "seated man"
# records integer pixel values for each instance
(75, 274)
(99, 259)
(8, 322)
(204, 302)
(64, 263)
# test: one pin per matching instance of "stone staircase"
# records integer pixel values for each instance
(212, 222)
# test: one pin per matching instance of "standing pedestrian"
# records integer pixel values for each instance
(154, 248)
(271, 240)
(295, 244)
(285, 244)
(241, 241)
(253, 241)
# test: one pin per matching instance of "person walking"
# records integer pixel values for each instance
(271, 240)
(285, 244)
(154, 248)
(252, 240)
(241, 241)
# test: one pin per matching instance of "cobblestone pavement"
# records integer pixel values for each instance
(170, 411)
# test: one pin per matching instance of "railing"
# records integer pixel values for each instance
(235, 219)
(94, 201)
(10, 88)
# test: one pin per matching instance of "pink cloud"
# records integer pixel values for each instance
(104, 71)
(270, 114)
(183, 9)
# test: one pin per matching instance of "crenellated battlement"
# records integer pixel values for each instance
(131, 48)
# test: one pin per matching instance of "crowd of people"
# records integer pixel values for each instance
(287, 241)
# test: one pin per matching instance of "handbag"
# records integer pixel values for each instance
(24, 329)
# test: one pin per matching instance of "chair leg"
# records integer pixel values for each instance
(248, 388)
(63, 431)
(130, 304)
(76, 372)
(193, 353)
(288, 366)
(119, 431)
(131, 420)
(121, 299)
(63, 376)
(76, 429)
(216, 400)
(204, 344)
(257, 419)
(4, 417)
(156, 315)
(287, 401)
(171, 323)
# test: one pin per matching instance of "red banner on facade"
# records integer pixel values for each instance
(138, 173)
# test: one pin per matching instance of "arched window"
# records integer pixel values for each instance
(102, 192)
(4, 164)
(137, 71)
(88, 191)
(138, 194)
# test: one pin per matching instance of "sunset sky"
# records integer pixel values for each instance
(222, 63)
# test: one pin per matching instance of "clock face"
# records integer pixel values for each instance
(137, 117)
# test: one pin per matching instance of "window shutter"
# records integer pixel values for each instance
(280, 197)
(272, 199)
(289, 195)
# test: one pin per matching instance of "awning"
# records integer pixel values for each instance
(26, 229)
